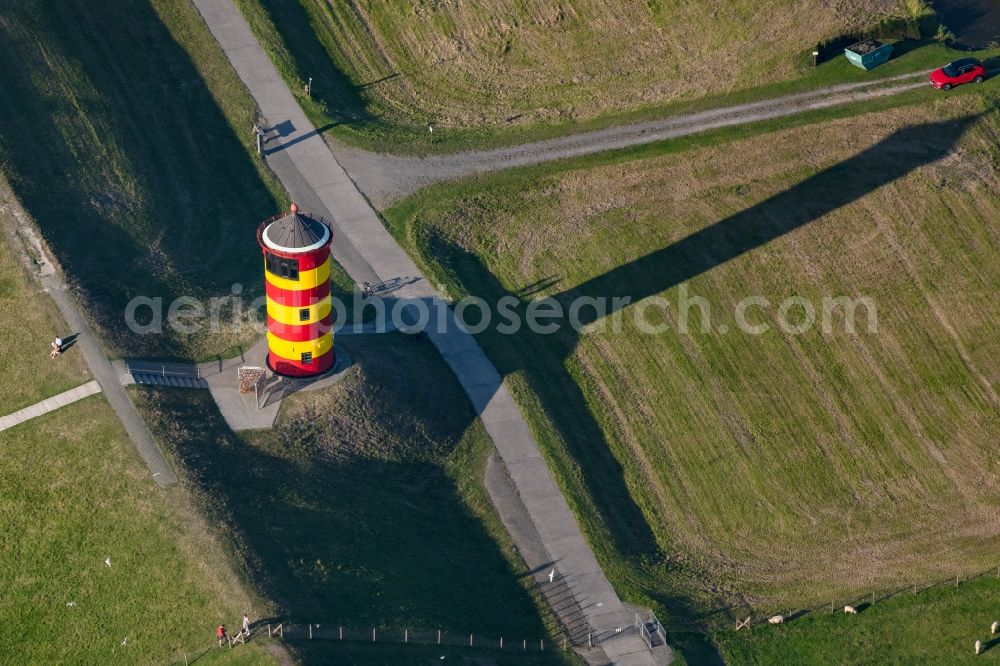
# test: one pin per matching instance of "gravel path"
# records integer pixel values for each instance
(387, 178)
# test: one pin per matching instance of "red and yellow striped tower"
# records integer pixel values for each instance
(296, 251)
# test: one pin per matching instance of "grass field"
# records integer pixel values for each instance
(31, 374)
(483, 73)
(138, 170)
(75, 493)
(938, 626)
(772, 470)
(364, 505)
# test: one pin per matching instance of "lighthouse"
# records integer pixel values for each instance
(296, 249)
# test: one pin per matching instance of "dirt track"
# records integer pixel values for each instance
(387, 178)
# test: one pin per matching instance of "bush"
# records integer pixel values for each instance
(943, 34)
(912, 26)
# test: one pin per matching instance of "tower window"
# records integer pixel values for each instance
(282, 267)
(304, 314)
(307, 357)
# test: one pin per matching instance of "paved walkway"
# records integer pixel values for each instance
(100, 367)
(308, 170)
(50, 404)
(114, 392)
(240, 410)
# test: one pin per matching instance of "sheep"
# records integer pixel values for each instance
(979, 647)
(993, 628)
(776, 619)
(850, 610)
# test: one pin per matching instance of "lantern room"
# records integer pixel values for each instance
(296, 249)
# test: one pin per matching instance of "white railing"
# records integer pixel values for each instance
(150, 369)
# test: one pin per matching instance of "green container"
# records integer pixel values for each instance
(868, 53)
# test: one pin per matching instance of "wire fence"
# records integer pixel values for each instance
(417, 636)
(650, 629)
(294, 632)
(745, 615)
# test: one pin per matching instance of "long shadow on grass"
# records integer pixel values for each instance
(830, 189)
(361, 537)
(975, 23)
(546, 360)
(331, 87)
(117, 147)
(314, 33)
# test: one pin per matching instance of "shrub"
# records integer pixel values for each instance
(943, 34)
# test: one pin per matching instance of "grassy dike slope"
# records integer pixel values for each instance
(31, 324)
(74, 492)
(496, 72)
(364, 505)
(773, 469)
(938, 626)
(126, 135)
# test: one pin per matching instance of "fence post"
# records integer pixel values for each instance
(525, 645)
(914, 588)
(341, 633)
(873, 598)
(185, 659)
(501, 642)
(956, 581)
(541, 644)
(439, 637)
(406, 635)
(373, 634)
(268, 629)
(470, 640)
(310, 631)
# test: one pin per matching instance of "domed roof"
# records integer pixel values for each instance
(296, 232)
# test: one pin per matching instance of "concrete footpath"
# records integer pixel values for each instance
(110, 383)
(308, 170)
(97, 361)
(50, 404)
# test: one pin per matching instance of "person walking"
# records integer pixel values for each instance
(57, 347)
(246, 626)
(223, 637)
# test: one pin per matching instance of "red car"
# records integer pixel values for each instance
(956, 73)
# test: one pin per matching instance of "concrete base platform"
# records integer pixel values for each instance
(240, 410)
